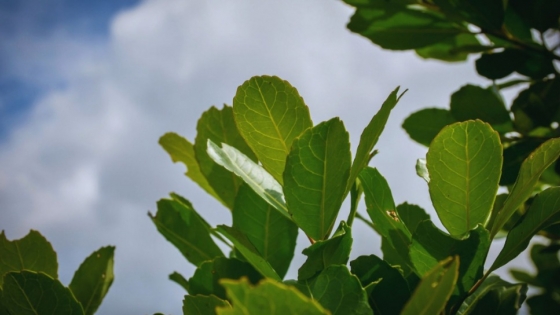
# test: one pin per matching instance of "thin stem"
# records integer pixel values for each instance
(366, 221)
(355, 196)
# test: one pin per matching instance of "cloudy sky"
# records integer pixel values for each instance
(88, 87)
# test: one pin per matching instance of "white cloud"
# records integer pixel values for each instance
(85, 167)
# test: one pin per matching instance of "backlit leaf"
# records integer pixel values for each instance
(423, 125)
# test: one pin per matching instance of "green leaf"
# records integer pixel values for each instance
(411, 215)
(432, 293)
(544, 304)
(501, 64)
(248, 250)
(180, 280)
(382, 211)
(390, 294)
(203, 305)
(339, 291)
(544, 211)
(253, 174)
(539, 14)
(430, 246)
(486, 14)
(393, 26)
(219, 126)
(529, 174)
(465, 162)
(424, 125)
(32, 293)
(514, 155)
(270, 114)
(181, 150)
(272, 234)
(321, 254)
(370, 136)
(179, 223)
(394, 258)
(539, 104)
(316, 176)
(268, 297)
(94, 277)
(493, 283)
(32, 252)
(475, 102)
(452, 49)
(207, 276)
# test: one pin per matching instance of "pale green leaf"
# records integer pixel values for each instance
(203, 305)
(464, 162)
(94, 277)
(422, 170)
(270, 114)
(253, 174)
(316, 175)
(529, 174)
(32, 252)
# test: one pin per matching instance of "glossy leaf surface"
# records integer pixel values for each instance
(464, 162)
(92, 280)
(424, 125)
(270, 114)
(316, 176)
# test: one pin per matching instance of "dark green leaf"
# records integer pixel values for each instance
(465, 162)
(432, 293)
(382, 211)
(316, 176)
(219, 126)
(203, 305)
(248, 250)
(411, 215)
(253, 174)
(514, 155)
(268, 297)
(430, 246)
(370, 135)
(545, 258)
(423, 126)
(181, 150)
(544, 211)
(270, 114)
(529, 174)
(539, 14)
(390, 294)
(452, 49)
(544, 304)
(337, 290)
(179, 223)
(272, 234)
(32, 293)
(180, 280)
(94, 277)
(540, 104)
(486, 14)
(501, 294)
(475, 102)
(206, 278)
(32, 252)
(501, 64)
(393, 257)
(515, 25)
(334, 251)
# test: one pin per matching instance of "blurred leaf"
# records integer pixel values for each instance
(207, 276)
(464, 161)
(32, 252)
(423, 126)
(514, 155)
(529, 174)
(501, 64)
(32, 293)
(248, 250)
(272, 234)
(422, 170)
(390, 294)
(430, 246)
(544, 211)
(270, 114)
(382, 211)
(181, 150)
(370, 136)
(316, 176)
(94, 277)
(539, 14)
(268, 297)
(502, 289)
(253, 174)
(452, 49)
(432, 293)
(180, 280)
(219, 126)
(203, 305)
(544, 304)
(540, 103)
(515, 25)
(486, 14)
(475, 102)
(411, 215)
(339, 291)
(391, 25)
(321, 254)
(498, 204)
(179, 223)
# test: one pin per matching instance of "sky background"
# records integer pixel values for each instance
(88, 87)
